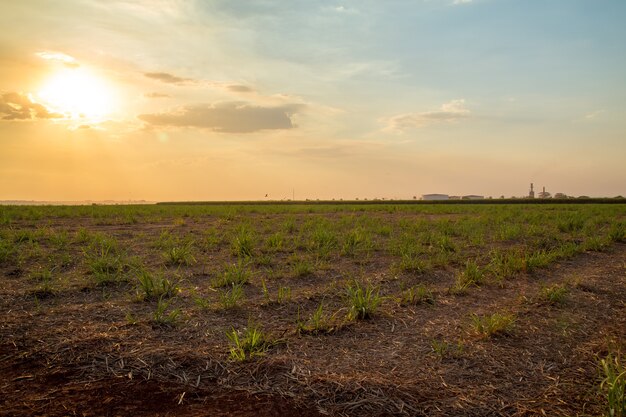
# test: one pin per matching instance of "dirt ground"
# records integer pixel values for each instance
(34, 391)
(77, 353)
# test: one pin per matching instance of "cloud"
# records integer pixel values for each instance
(450, 112)
(156, 95)
(457, 2)
(15, 106)
(343, 9)
(60, 57)
(593, 115)
(228, 117)
(168, 78)
(239, 88)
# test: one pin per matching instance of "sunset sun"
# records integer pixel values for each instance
(77, 93)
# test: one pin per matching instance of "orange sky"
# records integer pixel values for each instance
(232, 100)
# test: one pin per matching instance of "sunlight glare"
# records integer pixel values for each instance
(78, 93)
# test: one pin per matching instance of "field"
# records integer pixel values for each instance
(319, 309)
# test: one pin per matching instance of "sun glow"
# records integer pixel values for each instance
(78, 94)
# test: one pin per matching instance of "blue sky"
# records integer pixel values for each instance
(338, 99)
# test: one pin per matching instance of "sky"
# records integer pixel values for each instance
(168, 100)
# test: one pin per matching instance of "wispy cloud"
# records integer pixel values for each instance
(344, 9)
(168, 78)
(458, 2)
(238, 88)
(16, 106)
(593, 115)
(227, 117)
(450, 112)
(59, 57)
(156, 95)
(328, 150)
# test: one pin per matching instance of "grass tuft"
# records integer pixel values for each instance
(231, 296)
(535, 260)
(410, 262)
(614, 385)
(162, 317)
(446, 244)
(493, 325)
(323, 242)
(617, 233)
(419, 294)
(7, 250)
(153, 286)
(442, 348)
(179, 255)
(45, 287)
(353, 241)
(318, 322)
(243, 242)
(253, 342)
(505, 264)
(472, 274)
(275, 242)
(302, 268)
(553, 294)
(362, 301)
(234, 274)
(106, 262)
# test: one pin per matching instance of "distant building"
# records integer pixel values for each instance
(434, 197)
(473, 197)
(544, 193)
(560, 195)
(531, 193)
(455, 197)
